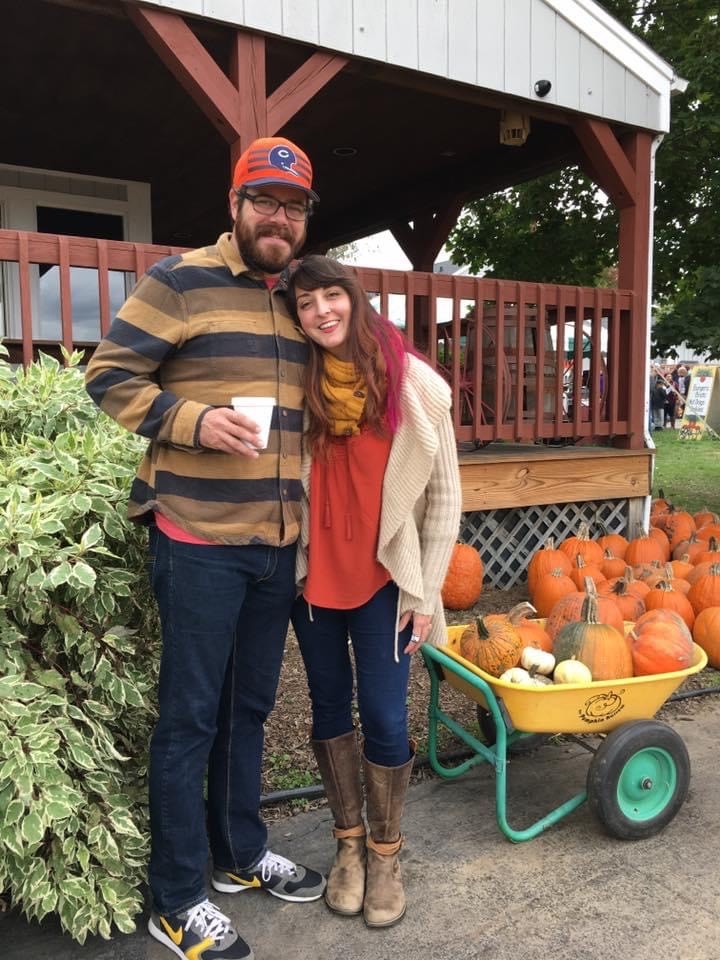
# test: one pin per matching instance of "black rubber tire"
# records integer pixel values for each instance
(525, 744)
(638, 779)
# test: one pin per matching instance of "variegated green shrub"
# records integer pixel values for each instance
(78, 656)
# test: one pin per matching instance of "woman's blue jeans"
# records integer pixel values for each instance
(224, 613)
(382, 684)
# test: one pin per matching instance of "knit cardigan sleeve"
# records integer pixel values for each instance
(443, 504)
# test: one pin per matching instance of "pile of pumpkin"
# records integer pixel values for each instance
(610, 607)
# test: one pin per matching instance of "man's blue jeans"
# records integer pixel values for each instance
(224, 613)
(382, 684)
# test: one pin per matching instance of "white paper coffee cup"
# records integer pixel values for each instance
(258, 409)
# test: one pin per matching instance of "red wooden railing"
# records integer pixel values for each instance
(526, 362)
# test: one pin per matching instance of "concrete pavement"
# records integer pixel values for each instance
(571, 893)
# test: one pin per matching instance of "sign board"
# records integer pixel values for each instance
(702, 403)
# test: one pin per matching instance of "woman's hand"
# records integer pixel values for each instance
(421, 624)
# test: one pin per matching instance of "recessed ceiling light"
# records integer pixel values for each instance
(344, 152)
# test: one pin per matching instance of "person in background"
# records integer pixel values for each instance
(657, 402)
(380, 519)
(223, 515)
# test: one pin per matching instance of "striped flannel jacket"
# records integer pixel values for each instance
(197, 330)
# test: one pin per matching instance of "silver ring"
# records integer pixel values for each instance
(414, 638)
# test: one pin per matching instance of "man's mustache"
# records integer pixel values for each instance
(267, 231)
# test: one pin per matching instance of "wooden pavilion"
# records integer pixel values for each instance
(127, 117)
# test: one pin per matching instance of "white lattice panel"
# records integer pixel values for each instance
(507, 538)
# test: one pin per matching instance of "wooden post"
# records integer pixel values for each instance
(633, 274)
(623, 171)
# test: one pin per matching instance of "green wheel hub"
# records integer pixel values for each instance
(647, 783)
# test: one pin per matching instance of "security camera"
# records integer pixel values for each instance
(543, 88)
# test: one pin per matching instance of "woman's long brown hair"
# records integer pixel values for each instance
(377, 349)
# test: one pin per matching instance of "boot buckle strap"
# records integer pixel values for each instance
(385, 849)
(342, 833)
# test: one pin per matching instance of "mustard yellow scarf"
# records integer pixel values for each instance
(344, 393)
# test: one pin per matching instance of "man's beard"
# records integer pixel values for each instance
(270, 261)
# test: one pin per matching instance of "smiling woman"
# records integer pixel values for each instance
(381, 509)
(324, 315)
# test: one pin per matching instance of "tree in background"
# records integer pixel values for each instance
(559, 229)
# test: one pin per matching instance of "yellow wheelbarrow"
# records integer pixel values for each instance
(639, 775)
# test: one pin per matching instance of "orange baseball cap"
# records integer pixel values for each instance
(274, 160)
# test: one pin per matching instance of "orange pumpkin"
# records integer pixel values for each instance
(664, 597)
(705, 591)
(569, 610)
(602, 648)
(709, 530)
(679, 525)
(690, 548)
(655, 533)
(584, 569)
(616, 543)
(612, 566)
(681, 567)
(635, 585)
(534, 635)
(463, 580)
(644, 549)
(581, 543)
(544, 560)
(492, 642)
(628, 603)
(704, 517)
(706, 633)
(711, 553)
(549, 589)
(660, 646)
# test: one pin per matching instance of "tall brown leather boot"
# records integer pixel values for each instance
(339, 763)
(386, 789)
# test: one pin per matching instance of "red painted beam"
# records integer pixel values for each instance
(186, 58)
(606, 162)
(292, 95)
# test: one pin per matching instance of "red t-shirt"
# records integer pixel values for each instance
(345, 507)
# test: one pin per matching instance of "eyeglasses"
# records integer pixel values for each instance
(267, 206)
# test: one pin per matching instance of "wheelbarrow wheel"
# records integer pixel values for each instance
(525, 744)
(638, 779)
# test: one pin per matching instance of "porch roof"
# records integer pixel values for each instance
(424, 142)
(595, 65)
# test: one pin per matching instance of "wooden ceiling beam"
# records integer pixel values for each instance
(247, 72)
(605, 161)
(292, 95)
(422, 241)
(186, 58)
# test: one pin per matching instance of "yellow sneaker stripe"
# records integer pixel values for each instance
(255, 882)
(175, 935)
(196, 952)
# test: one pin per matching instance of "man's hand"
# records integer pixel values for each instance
(225, 429)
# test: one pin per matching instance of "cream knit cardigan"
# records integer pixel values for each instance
(421, 499)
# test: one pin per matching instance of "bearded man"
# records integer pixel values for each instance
(198, 332)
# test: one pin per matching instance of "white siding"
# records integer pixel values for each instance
(568, 64)
(544, 52)
(402, 33)
(517, 47)
(491, 45)
(594, 65)
(433, 37)
(335, 24)
(462, 40)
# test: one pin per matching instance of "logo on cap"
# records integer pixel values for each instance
(283, 158)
